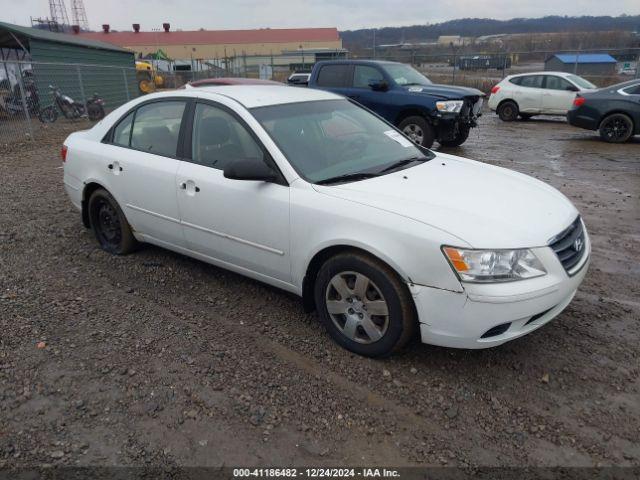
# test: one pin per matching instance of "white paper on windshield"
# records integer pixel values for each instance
(398, 137)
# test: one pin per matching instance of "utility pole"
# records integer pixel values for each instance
(374, 43)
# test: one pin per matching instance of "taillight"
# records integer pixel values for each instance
(578, 101)
(495, 89)
(63, 153)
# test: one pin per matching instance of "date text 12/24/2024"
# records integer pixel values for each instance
(316, 472)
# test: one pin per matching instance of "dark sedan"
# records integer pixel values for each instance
(614, 111)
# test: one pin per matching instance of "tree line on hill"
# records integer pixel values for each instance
(475, 27)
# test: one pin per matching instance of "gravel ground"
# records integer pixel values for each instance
(155, 358)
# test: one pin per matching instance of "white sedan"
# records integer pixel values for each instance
(306, 191)
(536, 93)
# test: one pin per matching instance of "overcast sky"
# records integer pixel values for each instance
(344, 14)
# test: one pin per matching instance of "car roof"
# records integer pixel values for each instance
(252, 96)
(232, 81)
(359, 62)
(543, 72)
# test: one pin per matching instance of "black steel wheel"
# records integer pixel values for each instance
(109, 224)
(616, 128)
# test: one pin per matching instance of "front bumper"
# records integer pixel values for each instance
(460, 320)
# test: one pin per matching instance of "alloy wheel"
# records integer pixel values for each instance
(615, 129)
(357, 307)
(414, 132)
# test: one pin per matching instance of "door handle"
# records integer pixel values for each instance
(183, 186)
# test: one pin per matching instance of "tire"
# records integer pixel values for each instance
(48, 114)
(508, 111)
(366, 284)
(95, 112)
(526, 116)
(616, 128)
(459, 139)
(109, 224)
(418, 130)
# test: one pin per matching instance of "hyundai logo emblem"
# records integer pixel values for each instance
(578, 244)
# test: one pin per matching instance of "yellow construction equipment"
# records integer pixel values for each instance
(147, 77)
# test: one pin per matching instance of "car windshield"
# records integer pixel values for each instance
(581, 82)
(328, 139)
(406, 75)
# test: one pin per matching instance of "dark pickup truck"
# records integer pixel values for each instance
(425, 112)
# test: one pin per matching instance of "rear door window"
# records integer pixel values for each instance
(122, 132)
(531, 81)
(156, 127)
(334, 76)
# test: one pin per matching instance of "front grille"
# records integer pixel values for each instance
(570, 245)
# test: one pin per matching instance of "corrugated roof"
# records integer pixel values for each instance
(46, 35)
(585, 58)
(214, 37)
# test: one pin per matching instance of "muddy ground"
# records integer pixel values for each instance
(157, 359)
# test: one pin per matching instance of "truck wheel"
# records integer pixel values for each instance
(459, 139)
(616, 128)
(418, 130)
(508, 111)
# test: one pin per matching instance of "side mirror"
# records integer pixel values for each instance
(380, 86)
(572, 88)
(250, 169)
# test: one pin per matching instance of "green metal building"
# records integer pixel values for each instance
(78, 66)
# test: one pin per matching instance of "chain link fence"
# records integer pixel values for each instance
(30, 91)
(41, 98)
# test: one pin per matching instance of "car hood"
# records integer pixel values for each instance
(444, 91)
(483, 205)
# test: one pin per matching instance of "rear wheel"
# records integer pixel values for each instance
(364, 305)
(616, 128)
(418, 130)
(109, 224)
(95, 112)
(508, 111)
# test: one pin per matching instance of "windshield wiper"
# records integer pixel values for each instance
(402, 163)
(349, 177)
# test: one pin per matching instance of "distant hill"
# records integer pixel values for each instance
(475, 27)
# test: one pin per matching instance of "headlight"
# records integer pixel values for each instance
(451, 106)
(494, 265)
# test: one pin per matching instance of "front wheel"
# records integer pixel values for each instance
(48, 114)
(109, 224)
(364, 305)
(459, 139)
(418, 130)
(616, 128)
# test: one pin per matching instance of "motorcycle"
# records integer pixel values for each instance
(93, 109)
(13, 104)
